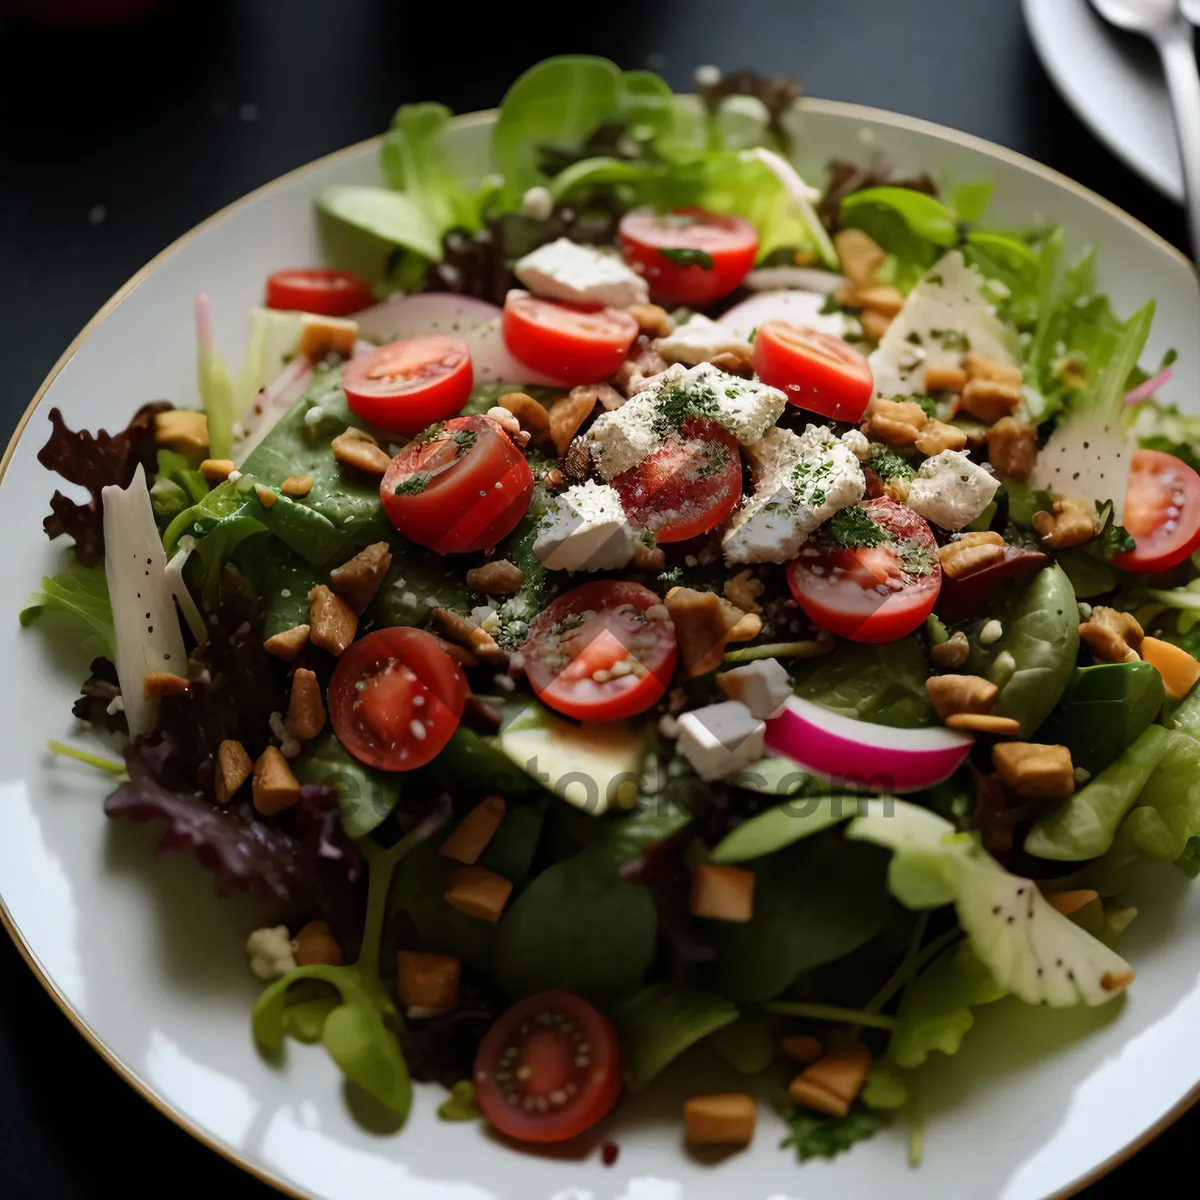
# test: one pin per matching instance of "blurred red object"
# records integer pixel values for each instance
(78, 14)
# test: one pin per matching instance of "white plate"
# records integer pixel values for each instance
(1114, 83)
(148, 963)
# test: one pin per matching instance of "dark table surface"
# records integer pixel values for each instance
(112, 144)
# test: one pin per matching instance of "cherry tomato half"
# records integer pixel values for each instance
(567, 341)
(1162, 512)
(872, 593)
(461, 486)
(318, 290)
(815, 371)
(688, 256)
(548, 1069)
(395, 698)
(687, 487)
(594, 654)
(407, 386)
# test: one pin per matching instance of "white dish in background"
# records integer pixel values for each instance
(1114, 83)
(148, 963)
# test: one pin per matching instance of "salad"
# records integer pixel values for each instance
(659, 600)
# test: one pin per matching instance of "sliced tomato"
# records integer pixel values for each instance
(548, 1069)
(688, 486)
(595, 654)
(461, 486)
(395, 698)
(815, 371)
(1162, 512)
(688, 256)
(318, 290)
(407, 386)
(567, 341)
(872, 593)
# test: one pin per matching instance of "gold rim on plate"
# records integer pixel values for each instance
(834, 108)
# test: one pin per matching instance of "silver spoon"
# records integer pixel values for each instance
(1162, 22)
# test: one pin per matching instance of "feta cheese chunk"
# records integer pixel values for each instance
(763, 686)
(624, 437)
(700, 340)
(720, 739)
(564, 270)
(944, 317)
(586, 530)
(950, 490)
(800, 481)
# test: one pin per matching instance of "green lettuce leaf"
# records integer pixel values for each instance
(935, 1013)
(80, 593)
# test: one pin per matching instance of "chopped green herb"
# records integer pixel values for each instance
(853, 527)
(815, 1136)
(679, 404)
(414, 485)
(715, 461)
(753, 335)
(688, 256)
(887, 464)
(915, 558)
(928, 403)
(464, 439)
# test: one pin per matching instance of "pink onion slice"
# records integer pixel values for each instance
(270, 403)
(474, 321)
(863, 755)
(794, 307)
(1145, 391)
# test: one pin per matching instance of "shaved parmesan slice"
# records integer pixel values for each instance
(795, 307)
(147, 626)
(944, 317)
(1089, 456)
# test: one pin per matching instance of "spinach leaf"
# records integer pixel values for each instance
(925, 215)
(813, 903)
(969, 202)
(578, 927)
(390, 216)
(1090, 576)
(1041, 635)
(663, 1020)
(750, 1045)
(935, 1013)
(473, 764)
(884, 684)
(512, 848)
(365, 797)
(781, 826)
(80, 593)
(418, 893)
(341, 514)
(417, 582)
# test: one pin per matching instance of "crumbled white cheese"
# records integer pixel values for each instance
(115, 705)
(314, 416)
(800, 481)
(944, 317)
(624, 437)
(763, 686)
(289, 747)
(586, 530)
(565, 270)
(234, 476)
(992, 631)
(486, 617)
(271, 952)
(537, 203)
(857, 443)
(950, 490)
(720, 739)
(699, 340)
